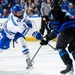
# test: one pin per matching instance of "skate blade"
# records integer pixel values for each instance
(69, 73)
(29, 67)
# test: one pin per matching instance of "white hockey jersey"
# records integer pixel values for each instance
(14, 25)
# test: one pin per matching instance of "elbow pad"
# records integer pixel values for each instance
(29, 23)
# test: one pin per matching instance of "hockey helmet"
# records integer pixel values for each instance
(16, 8)
(56, 3)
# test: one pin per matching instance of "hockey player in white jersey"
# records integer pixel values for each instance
(16, 27)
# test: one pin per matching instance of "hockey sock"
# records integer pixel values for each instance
(67, 61)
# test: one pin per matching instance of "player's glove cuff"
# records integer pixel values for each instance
(37, 35)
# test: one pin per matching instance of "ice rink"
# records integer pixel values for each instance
(46, 62)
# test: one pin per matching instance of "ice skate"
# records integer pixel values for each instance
(69, 73)
(69, 70)
(28, 63)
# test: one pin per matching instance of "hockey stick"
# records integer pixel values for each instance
(51, 46)
(13, 43)
(28, 66)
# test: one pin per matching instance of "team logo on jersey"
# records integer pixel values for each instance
(51, 16)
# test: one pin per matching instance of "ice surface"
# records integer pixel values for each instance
(47, 61)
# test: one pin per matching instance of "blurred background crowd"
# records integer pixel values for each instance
(34, 7)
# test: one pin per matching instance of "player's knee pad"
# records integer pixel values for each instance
(62, 52)
(26, 51)
(65, 56)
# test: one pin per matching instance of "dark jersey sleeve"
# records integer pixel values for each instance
(52, 35)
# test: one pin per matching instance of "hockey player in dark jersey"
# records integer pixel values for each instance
(63, 27)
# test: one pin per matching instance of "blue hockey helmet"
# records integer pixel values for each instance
(16, 8)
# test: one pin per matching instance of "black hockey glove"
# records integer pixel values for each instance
(44, 41)
(47, 38)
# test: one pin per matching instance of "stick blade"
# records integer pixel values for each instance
(29, 67)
